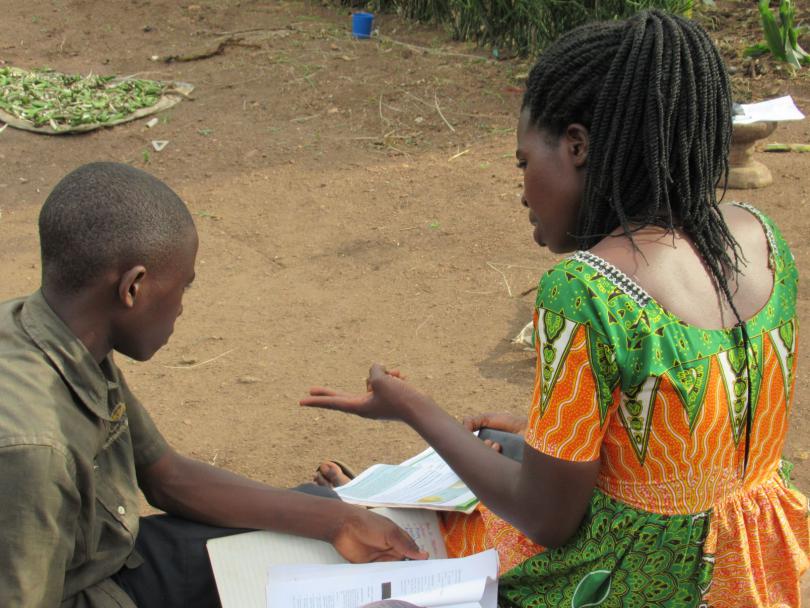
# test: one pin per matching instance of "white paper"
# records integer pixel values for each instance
(422, 482)
(773, 110)
(240, 562)
(469, 582)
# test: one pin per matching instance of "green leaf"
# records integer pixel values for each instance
(786, 20)
(756, 50)
(771, 30)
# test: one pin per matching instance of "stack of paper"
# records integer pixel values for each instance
(773, 110)
(469, 582)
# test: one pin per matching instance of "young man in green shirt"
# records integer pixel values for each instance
(118, 251)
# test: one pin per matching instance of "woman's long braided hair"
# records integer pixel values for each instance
(654, 94)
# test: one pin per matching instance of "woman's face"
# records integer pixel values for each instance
(553, 181)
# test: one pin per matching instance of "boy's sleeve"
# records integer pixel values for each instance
(40, 503)
(576, 372)
(148, 444)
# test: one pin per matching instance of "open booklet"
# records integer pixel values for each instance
(468, 582)
(422, 482)
(244, 564)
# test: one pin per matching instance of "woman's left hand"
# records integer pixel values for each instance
(389, 397)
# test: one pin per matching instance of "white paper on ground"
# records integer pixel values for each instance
(423, 482)
(773, 110)
(240, 562)
(469, 582)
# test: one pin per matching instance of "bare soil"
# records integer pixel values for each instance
(357, 201)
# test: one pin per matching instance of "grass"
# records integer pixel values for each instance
(522, 27)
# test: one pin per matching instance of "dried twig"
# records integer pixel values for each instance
(503, 276)
(455, 156)
(383, 118)
(300, 119)
(206, 362)
(439, 110)
(422, 324)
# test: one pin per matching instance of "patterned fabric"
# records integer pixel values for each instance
(663, 405)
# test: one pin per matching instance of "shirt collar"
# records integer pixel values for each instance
(69, 356)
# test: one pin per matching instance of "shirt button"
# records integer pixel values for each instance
(122, 511)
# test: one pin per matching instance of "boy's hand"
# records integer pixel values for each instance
(389, 397)
(364, 537)
(500, 421)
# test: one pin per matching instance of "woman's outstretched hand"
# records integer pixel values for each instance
(388, 397)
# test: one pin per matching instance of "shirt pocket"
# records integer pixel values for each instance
(116, 517)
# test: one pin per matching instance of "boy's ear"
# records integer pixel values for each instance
(578, 139)
(129, 287)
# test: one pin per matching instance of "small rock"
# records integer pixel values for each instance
(248, 380)
(802, 455)
(332, 111)
(187, 360)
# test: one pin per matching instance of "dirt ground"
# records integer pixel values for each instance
(357, 201)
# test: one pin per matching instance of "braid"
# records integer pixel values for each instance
(654, 95)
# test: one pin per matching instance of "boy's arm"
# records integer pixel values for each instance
(38, 509)
(198, 491)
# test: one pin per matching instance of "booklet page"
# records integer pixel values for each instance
(469, 582)
(423, 482)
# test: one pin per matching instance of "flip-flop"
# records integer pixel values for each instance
(344, 468)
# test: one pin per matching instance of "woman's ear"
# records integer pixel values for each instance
(577, 139)
(129, 286)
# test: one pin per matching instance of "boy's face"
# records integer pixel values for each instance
(149, 324)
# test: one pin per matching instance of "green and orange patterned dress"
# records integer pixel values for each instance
(662, 404)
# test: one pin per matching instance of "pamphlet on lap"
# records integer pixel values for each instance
(422, 482)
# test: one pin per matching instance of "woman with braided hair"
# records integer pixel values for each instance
(651, 471)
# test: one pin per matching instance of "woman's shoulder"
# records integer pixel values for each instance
(588, 289)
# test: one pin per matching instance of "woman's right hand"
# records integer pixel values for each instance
(500, 421)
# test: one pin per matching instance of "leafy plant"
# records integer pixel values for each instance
(781, 39)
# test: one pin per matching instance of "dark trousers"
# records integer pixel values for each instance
(176, 572)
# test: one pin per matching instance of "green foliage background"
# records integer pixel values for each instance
(520, 26)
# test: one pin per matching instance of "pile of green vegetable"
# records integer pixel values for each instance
(62, 101)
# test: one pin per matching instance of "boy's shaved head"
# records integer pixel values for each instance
(105, 216)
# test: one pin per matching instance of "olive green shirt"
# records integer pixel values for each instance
(71, 435)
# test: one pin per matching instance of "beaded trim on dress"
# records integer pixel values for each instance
(615, 276)
(768, 232)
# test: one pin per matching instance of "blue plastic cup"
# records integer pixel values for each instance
(362, 24)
